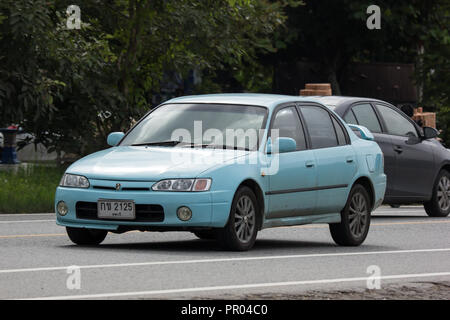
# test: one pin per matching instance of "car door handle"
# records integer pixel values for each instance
(398, 149)
(309, 164)
(350, 160)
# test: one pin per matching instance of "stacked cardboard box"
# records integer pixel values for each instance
(428, 119)
(316, 89)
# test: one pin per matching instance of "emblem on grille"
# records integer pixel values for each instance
(118, 186)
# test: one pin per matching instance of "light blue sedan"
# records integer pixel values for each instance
(225, 167)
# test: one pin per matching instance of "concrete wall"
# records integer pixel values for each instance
(31, 152)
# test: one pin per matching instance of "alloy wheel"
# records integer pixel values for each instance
(358, 215)
(443, 193)
(245, 219)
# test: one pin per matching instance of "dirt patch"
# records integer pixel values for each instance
(409, 291)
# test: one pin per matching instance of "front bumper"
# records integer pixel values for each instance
(209, 209)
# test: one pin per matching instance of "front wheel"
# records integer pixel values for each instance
(355, 219)
(439, 205)
(86, 237)
(239, 234)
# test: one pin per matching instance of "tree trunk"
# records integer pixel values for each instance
(332, 78)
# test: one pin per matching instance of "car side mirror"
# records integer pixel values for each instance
(430, 133)
(363, 131)
(281, 145)
(114, 138)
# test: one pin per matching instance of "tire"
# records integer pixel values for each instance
(439, 205)
(86, 237)
(355, 219)
(205, 235)
(239, 234)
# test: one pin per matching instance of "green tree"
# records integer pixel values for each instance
(71, 87)
(53, 81)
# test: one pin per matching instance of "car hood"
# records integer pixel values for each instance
(140, 163)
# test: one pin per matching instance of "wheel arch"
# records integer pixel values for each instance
(367, 184)
(445, 166)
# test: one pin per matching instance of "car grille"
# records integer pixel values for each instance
(144, 212)
(123, 189)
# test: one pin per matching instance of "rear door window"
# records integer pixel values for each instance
(320, 127)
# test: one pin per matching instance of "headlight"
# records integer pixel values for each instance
(182, 185)
(74, 181)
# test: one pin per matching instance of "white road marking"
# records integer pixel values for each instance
(25, 214)
(160, 263)
(26, 221)
(400, 211)
(241, 286)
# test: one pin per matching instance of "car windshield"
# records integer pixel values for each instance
(200, 125)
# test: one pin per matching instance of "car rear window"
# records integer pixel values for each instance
(365, 115)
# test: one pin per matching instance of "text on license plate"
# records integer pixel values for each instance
(116, 209)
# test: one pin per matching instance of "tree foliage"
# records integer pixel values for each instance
(71, 87)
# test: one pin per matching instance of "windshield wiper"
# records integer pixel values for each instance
(172, 143)
(217, 146)
(159, 143)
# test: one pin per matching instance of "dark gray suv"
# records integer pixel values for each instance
(417, 165)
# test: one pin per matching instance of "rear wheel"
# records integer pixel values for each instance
(355, 219)
(439, 205)
(85, 237)
(240, 232)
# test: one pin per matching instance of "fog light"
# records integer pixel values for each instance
(62, 208)
(184, 213)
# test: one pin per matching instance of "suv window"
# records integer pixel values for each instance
(288, 124)
(320, 127)
(396, 123)
(365, 115)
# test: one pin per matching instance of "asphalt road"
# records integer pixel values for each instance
(404, 246)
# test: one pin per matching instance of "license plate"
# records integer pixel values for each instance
(116, 209)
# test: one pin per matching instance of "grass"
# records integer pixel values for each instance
(29, 189)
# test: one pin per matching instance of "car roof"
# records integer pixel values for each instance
(252, 99)
(268, 100)
(338, 101)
